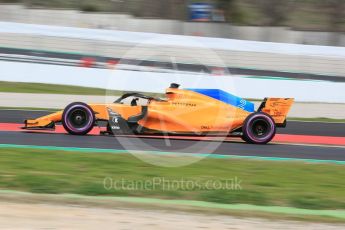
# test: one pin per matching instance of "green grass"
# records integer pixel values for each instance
(28, 108)
(292, 184)
(317, 119)
(21, 87)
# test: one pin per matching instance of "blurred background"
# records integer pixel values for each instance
(249, 39)
(54, 52)
(318, 22)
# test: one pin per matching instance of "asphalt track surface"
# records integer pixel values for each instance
(58, 58)
(187, 146)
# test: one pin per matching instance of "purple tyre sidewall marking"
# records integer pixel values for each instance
(68, 124)
(249, 131)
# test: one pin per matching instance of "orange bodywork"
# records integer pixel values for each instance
(183, 111)
(278, 108)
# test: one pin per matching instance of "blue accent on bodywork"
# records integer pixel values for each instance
(227, 98)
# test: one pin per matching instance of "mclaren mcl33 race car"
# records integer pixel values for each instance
(182, 112)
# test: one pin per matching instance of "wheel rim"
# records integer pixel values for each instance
(260, 128)
(78, 118)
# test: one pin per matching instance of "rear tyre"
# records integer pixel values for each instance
(258, 128)
(78, 118)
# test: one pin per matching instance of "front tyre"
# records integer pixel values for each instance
(78, 118)
(258, 128)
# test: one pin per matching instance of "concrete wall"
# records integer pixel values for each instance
(172, 48)
(303, 91)
(17, 13)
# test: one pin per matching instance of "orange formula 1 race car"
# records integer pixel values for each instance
(183, 112)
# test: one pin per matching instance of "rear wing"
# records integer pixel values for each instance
(277, 108)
